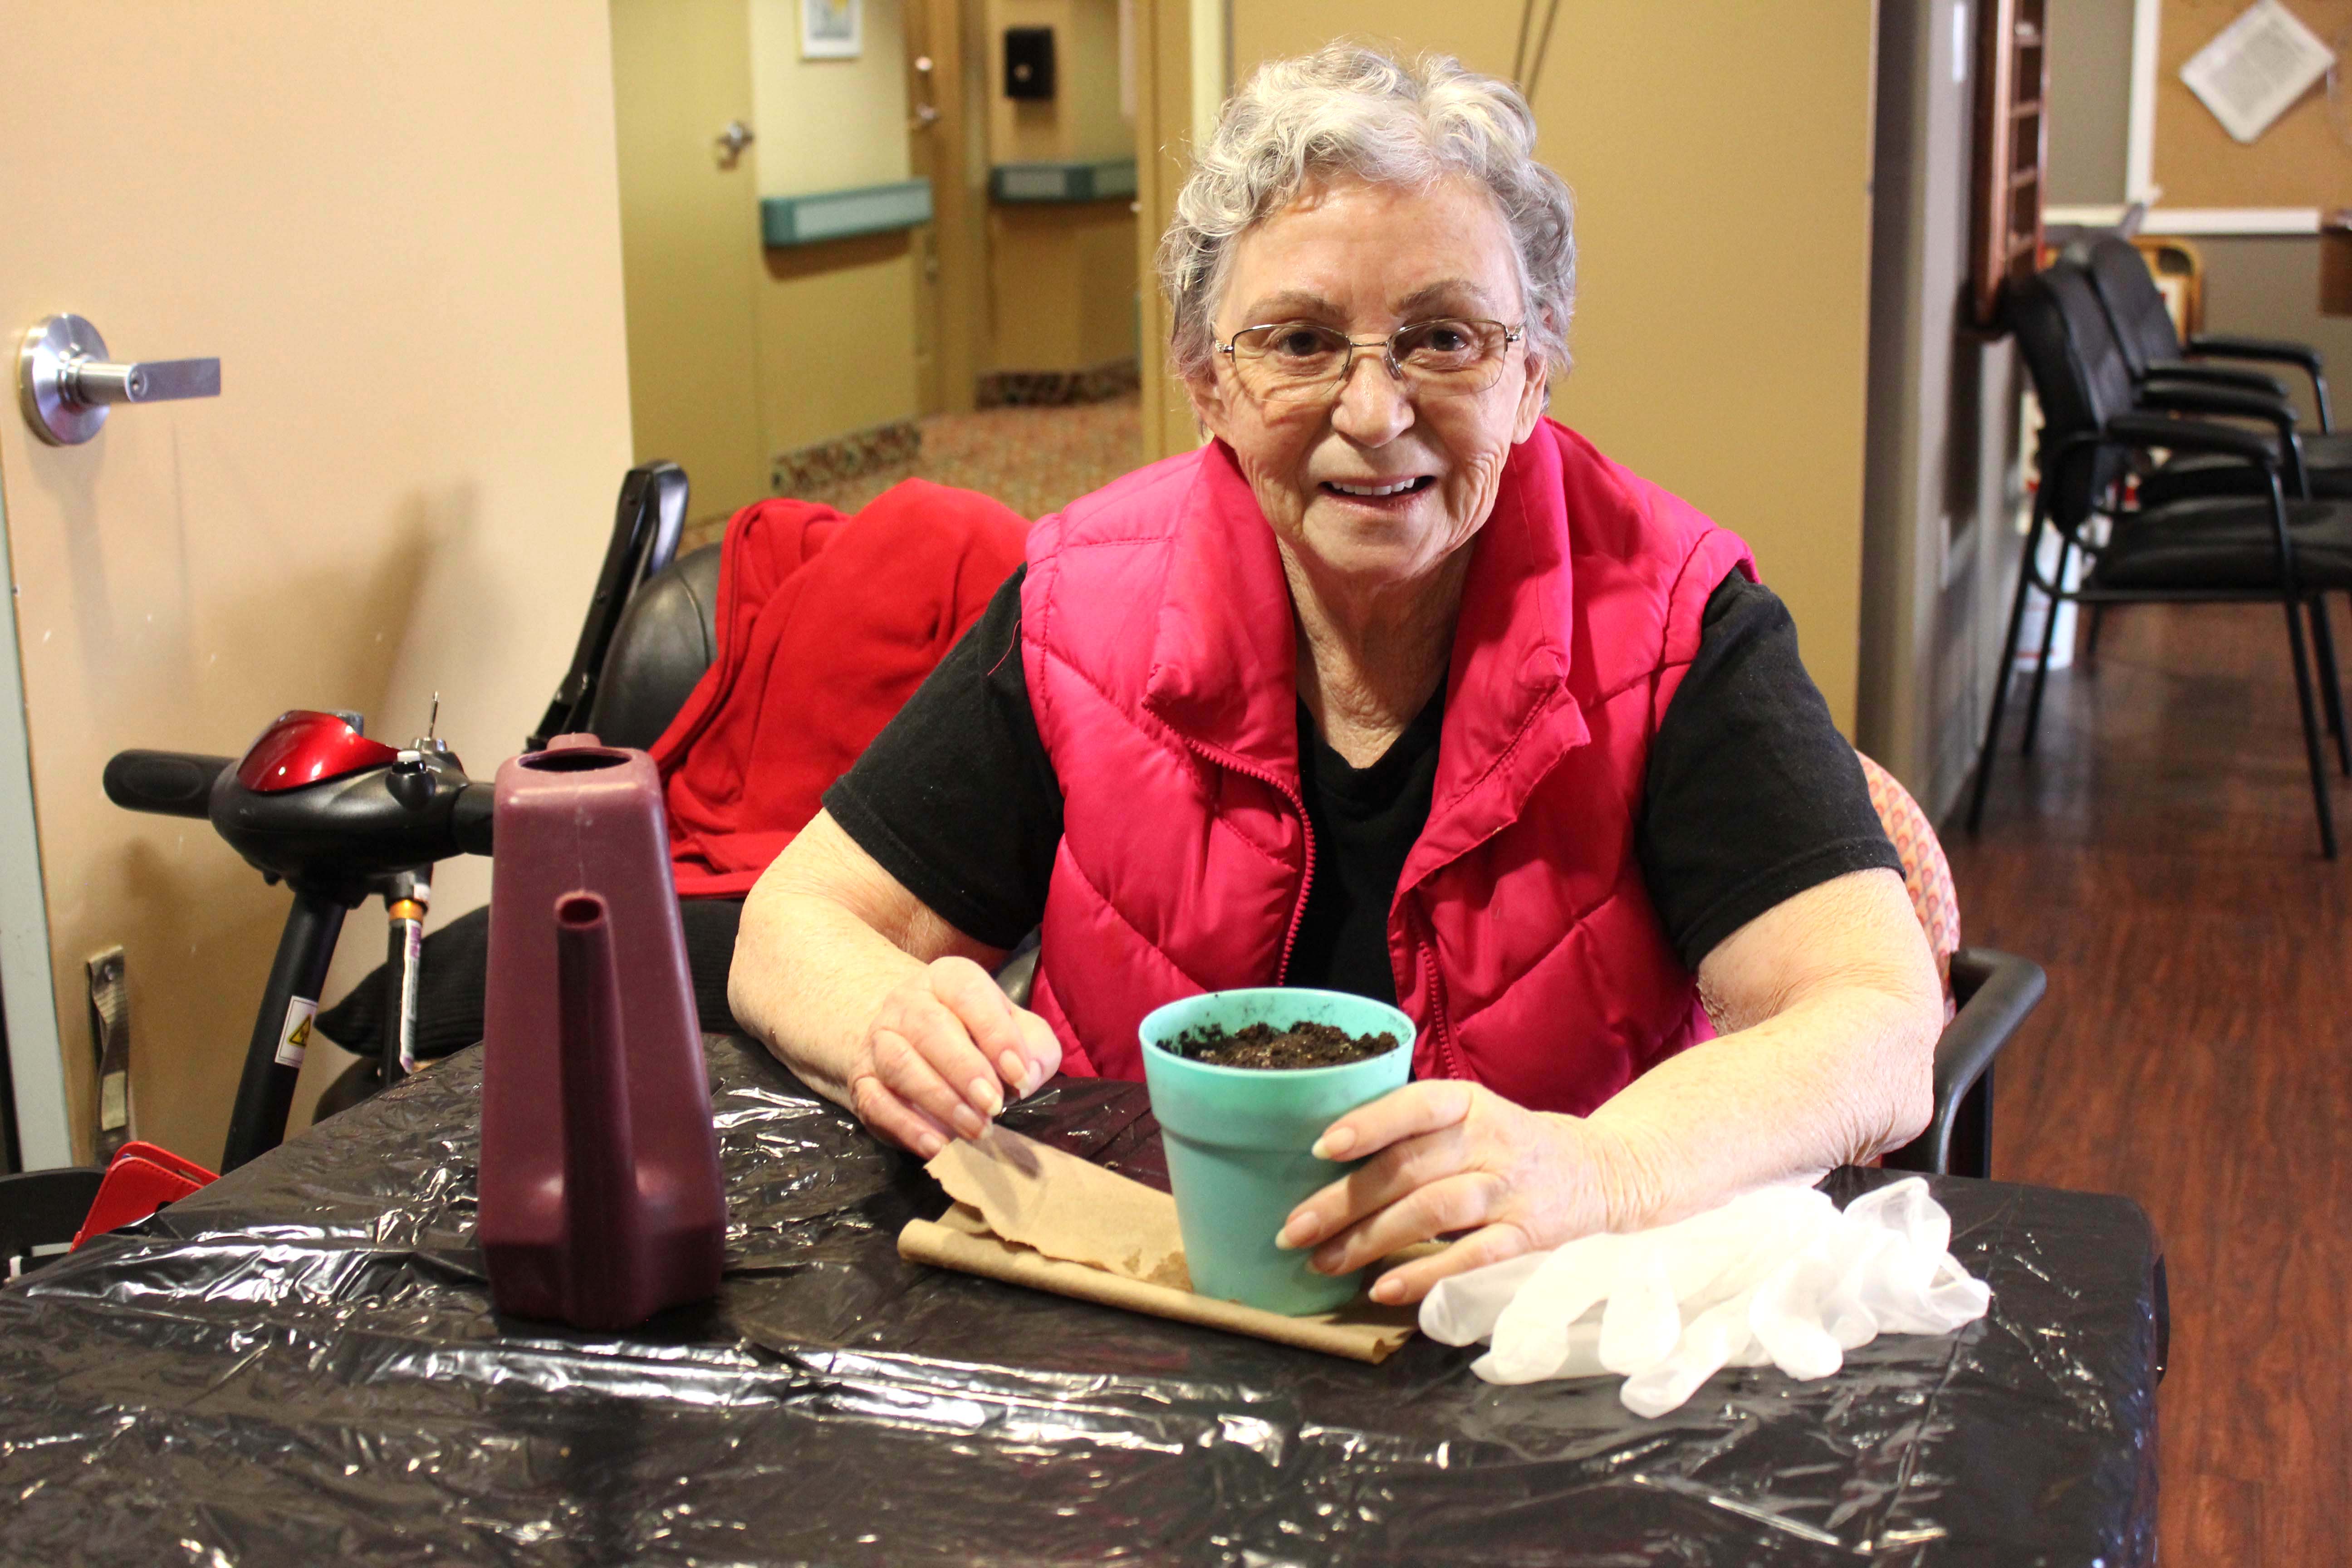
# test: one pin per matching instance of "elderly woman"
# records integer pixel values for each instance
(1395, 686)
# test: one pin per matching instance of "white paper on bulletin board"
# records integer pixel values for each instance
(2256, 69)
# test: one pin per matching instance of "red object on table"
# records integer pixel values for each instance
(142, 1179)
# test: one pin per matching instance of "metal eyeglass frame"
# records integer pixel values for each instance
(1387, 346)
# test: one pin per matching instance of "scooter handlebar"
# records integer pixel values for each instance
(470, 817)
(169, 784)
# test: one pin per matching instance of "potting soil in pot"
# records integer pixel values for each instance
(1263, 1046)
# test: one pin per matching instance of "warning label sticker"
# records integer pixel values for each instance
(295, 1037)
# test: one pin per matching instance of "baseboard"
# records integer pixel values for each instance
(850, 456)
(1057, 388)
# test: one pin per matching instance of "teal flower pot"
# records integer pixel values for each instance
(1237, 1138)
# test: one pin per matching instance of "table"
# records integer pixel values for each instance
(299, 1364)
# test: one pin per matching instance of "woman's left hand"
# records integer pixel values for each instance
(1448, 1157)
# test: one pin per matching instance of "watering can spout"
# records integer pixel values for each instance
(600, 1157)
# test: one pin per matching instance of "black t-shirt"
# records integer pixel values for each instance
(1752, 797)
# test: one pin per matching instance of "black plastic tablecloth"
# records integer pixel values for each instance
(299, 1364)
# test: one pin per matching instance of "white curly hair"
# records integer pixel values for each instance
(1350, 111)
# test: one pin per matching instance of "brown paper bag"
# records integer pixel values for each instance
(1033, 1215)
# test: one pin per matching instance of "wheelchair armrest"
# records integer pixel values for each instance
(1995, 991)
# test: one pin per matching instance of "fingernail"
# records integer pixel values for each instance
(1331, 1260)
(1335, 1143)
(1389, 1291)
(1297, 1232)
(930, 1143)
(984, 1098)
(1015, 1069)
(968, 1121)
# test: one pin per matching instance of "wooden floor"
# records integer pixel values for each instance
(2157, 855)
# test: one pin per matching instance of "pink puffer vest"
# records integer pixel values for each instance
(1157, 639)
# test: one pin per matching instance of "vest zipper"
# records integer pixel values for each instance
(1306, 834)
(1449, 1059)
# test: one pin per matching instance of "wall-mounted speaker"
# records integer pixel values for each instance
(1029, 63)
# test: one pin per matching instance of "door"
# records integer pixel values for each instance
(397, 228)
(923, 136)
(690, 243)
(946, 96)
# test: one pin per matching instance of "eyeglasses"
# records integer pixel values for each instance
(1296, 362)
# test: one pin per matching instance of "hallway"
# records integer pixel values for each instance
(2159, 857)
(1034, 460)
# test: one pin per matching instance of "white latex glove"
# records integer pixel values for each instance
(1776, 1274)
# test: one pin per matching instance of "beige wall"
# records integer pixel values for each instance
(1720, 156)
(1064, 282)
(827, 124)
(1082, 122)
(398, 228)
(836, 330)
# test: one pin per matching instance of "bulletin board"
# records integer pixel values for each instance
(2305, 160)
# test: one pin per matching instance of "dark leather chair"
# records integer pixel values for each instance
(2264, 547)
(667, 638)
(2155, 356)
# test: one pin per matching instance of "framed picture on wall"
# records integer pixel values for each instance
(832, 29)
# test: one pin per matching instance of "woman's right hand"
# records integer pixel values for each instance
(940, 1054)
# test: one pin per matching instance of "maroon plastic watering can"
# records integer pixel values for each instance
(601, 1198)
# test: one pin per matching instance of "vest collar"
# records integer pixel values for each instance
(1224, 654)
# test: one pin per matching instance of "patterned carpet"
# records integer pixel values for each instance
(1034, 460)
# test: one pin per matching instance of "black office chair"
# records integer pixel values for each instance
(2264, 549)
(2154, 355)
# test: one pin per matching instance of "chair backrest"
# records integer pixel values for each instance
(1926, 875)
(667, 638)
(647, 526)
(2134, 304)
(2079, 378)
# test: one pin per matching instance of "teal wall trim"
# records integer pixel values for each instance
(1063, 182)
(839, 214)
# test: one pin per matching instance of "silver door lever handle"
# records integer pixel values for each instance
(66, 382)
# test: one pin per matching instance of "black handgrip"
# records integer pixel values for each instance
(470, 816)
(170, 784)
